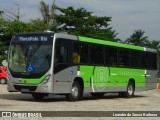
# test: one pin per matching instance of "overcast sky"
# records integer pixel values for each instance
(127, 15)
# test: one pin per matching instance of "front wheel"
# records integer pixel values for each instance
(76, 92)
(130, 91)
(3, 81)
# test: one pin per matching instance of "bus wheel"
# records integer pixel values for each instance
(97, 94)
(130, 91)
(3, 81)
(76, 92)
(38, 96)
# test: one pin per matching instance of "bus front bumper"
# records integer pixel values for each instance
(25, 88)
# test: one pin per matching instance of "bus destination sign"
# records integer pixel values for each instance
(32, 38)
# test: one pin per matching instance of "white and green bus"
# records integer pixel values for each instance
(58, 63)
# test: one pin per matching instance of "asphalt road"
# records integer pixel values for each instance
(143, 101)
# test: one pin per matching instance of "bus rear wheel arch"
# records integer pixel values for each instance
(130, 90)
(76, 91)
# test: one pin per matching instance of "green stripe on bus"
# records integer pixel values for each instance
(32, 80)
(100, 76)
(116, 44)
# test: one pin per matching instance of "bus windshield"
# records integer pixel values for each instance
(30, 57)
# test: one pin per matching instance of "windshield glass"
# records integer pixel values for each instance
(30, 54)
(30, 58)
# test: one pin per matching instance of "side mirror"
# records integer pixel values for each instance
(7, 52)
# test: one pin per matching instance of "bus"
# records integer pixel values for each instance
(47, 63)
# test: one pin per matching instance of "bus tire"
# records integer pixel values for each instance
(130, 91)
(76, 92)
(3, 81)
(38, 96)
(97, 94)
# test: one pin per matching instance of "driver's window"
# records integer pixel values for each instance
(61, 58)
(61, 55)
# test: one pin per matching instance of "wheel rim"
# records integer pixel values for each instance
(74, 92)
(130, 89)
(3, 81)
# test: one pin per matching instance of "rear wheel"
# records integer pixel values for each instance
(76, 92)
(130, 91)
(3, 81)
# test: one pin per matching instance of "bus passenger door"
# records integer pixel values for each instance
(61, 67)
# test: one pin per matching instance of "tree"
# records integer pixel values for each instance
(155, 45)
(9, 29)
(39, 25)
(13, 14)
(48, 13)
(137, 38)
(1, 12)
(82, 22)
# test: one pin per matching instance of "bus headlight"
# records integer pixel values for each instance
(46, 79)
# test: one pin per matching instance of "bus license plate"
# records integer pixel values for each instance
(24, 90)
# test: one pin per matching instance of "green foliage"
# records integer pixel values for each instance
(8, 30)
(1, 12)
(3, 48)
(155, 45)
(48, 14)
(138, 38)
(14, 27)
(39, 25)
(81, 22)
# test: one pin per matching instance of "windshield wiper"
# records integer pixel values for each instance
(32, 51)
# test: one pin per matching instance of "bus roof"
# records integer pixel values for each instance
(115, 44)
(92, 40)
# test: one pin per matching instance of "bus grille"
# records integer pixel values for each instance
(30, 88)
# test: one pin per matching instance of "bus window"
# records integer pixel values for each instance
(97, 54)
(80, 53)
(123, 57)
(111, 56)
(61, 58)
(61, 55)
(135, 59)
(153, 61)
(147, 61)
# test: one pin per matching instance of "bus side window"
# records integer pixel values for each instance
(135, 59)
(58, 56)
(80, 53)
(111, 56)
(76, 58)
(61, 55)
(123, 58)
(76, 53)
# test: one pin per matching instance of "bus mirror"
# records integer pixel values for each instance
(7, 52)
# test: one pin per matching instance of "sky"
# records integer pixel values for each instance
(127, 15)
